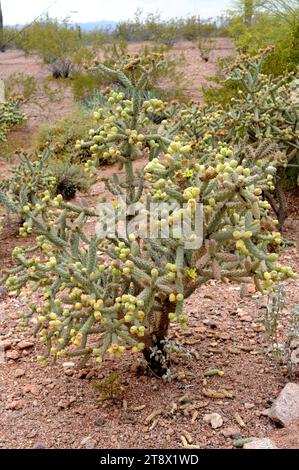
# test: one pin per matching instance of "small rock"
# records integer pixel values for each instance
(68, 365)
(39, 445)
(13, 355)
(31, 388)
(99, 422)
(63, 404)
(19, 373)
(25, 344)
(88, 443)
(260, 444)
(249, 406)
(3, 292)
(295, 357)
(14, 405)
(232, 431)
(285, 408)
(251, 289)
(83, 373)
(246, 318)
(214, 419)
(6, 344)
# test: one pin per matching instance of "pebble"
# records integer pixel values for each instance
(19, 373)
(214, 419)
(68, 365)
(232, 431)
(14, 405)
(88, 442)
(25, 344)
(249, 406)
(99, 422)
(39, 445)
(246, 318)
(6, 344)
(13, 355)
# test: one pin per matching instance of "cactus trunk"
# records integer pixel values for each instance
(155, 352)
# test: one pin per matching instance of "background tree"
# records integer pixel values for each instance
(248, 12)
(2, 47)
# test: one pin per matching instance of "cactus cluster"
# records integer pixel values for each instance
(265, 109)
(105, 293)
(10, 116)
(37, 178)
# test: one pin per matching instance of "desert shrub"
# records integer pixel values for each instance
(270, 29)
(85, 84)
(153, 28)
(50, 39)
(53, 41)
(219, 93)
(281, 331)
(10, 117)
(106, 293)
(19, 86)
(61, 137)
(61, 68)
(70, 178)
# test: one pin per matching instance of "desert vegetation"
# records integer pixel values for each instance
(149, 232)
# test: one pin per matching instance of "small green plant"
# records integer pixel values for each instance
(110, 387)
(282, 342)
(70, 178)
(21, 87)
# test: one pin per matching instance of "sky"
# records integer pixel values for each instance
(20, 11)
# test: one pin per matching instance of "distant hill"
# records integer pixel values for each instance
(111, 25)
(98, 25)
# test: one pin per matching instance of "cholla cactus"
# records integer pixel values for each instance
(35, 179)
(264, 109)
(105, 293)
(27, 185)
(10, 116)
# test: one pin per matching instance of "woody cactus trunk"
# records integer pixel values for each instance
(120, 288)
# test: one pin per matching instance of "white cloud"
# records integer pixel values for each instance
(19, 11)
